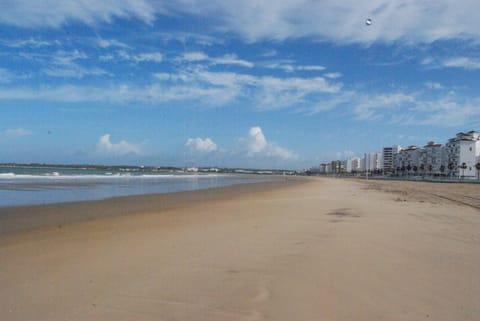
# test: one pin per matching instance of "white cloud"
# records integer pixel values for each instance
(289, 66)
(142, 57)
(191, 84)
(310, 68)
(333, 75)
(462, 62)
(277, 93)
(74, 71)
(195, 56)
(54, 13)
(433, 85)
(202, 145)
(64, 64)
(107, 43)
(154, 56)
(270, 53)
(332, 20)
(342, 21)
(229, 59)
(17, 132)
(444, 109)
(105, 146)
(256, 141)
(257, 145)
(31, 42)
(374, 107)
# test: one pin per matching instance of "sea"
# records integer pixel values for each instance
(36, 186)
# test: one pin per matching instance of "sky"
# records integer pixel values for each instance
(254, 84)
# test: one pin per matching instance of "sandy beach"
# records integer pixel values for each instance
(317, 249)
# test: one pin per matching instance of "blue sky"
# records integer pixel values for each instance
(276, 84)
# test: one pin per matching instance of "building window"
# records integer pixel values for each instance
(470, 148)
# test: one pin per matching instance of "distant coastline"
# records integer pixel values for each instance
(159, 169)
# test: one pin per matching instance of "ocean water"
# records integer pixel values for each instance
(33, 186)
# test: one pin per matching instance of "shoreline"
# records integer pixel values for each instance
(29, 217)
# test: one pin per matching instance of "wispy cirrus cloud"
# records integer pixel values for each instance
(411, 22)
(462, 62)
(433, 85)
(208, 88)
(107, 43)
(54, 14)
(17, 132)
(30, 42)
(141, 57)
(333, 75)
(289, 66)
(403, 108)
(329, 20)
(229, 59)
(64, 64)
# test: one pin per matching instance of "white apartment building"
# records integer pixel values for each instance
(433, 159)
(462, 154)
(325, 168)
(353, 165)
(407, 161)
(372, 162)
(388, 157)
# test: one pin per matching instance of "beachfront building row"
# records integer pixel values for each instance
(459, 157)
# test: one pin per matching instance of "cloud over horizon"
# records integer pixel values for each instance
(201, 145)
(105, 146)
(257, 145)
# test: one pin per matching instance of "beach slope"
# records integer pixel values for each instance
(328, 249)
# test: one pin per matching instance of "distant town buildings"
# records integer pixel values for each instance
(458, 158)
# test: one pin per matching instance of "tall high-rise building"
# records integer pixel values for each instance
(389, 158)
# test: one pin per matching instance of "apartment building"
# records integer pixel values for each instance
(407, 161)
(372, 162)
(462, 154)
(388, 156)
(353, 165)
(433, 159)
(459, 157)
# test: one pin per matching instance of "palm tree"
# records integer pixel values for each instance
(422, 169)
(442, 169)
(477, 166)
(451, 166)
(463, 167)
(430, 169)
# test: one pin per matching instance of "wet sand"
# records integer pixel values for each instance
(327, 249)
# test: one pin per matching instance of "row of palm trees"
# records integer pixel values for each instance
(421, 168)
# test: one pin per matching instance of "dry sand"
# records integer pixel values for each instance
(328, 249)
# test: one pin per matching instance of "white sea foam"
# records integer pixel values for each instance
(106, 176)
